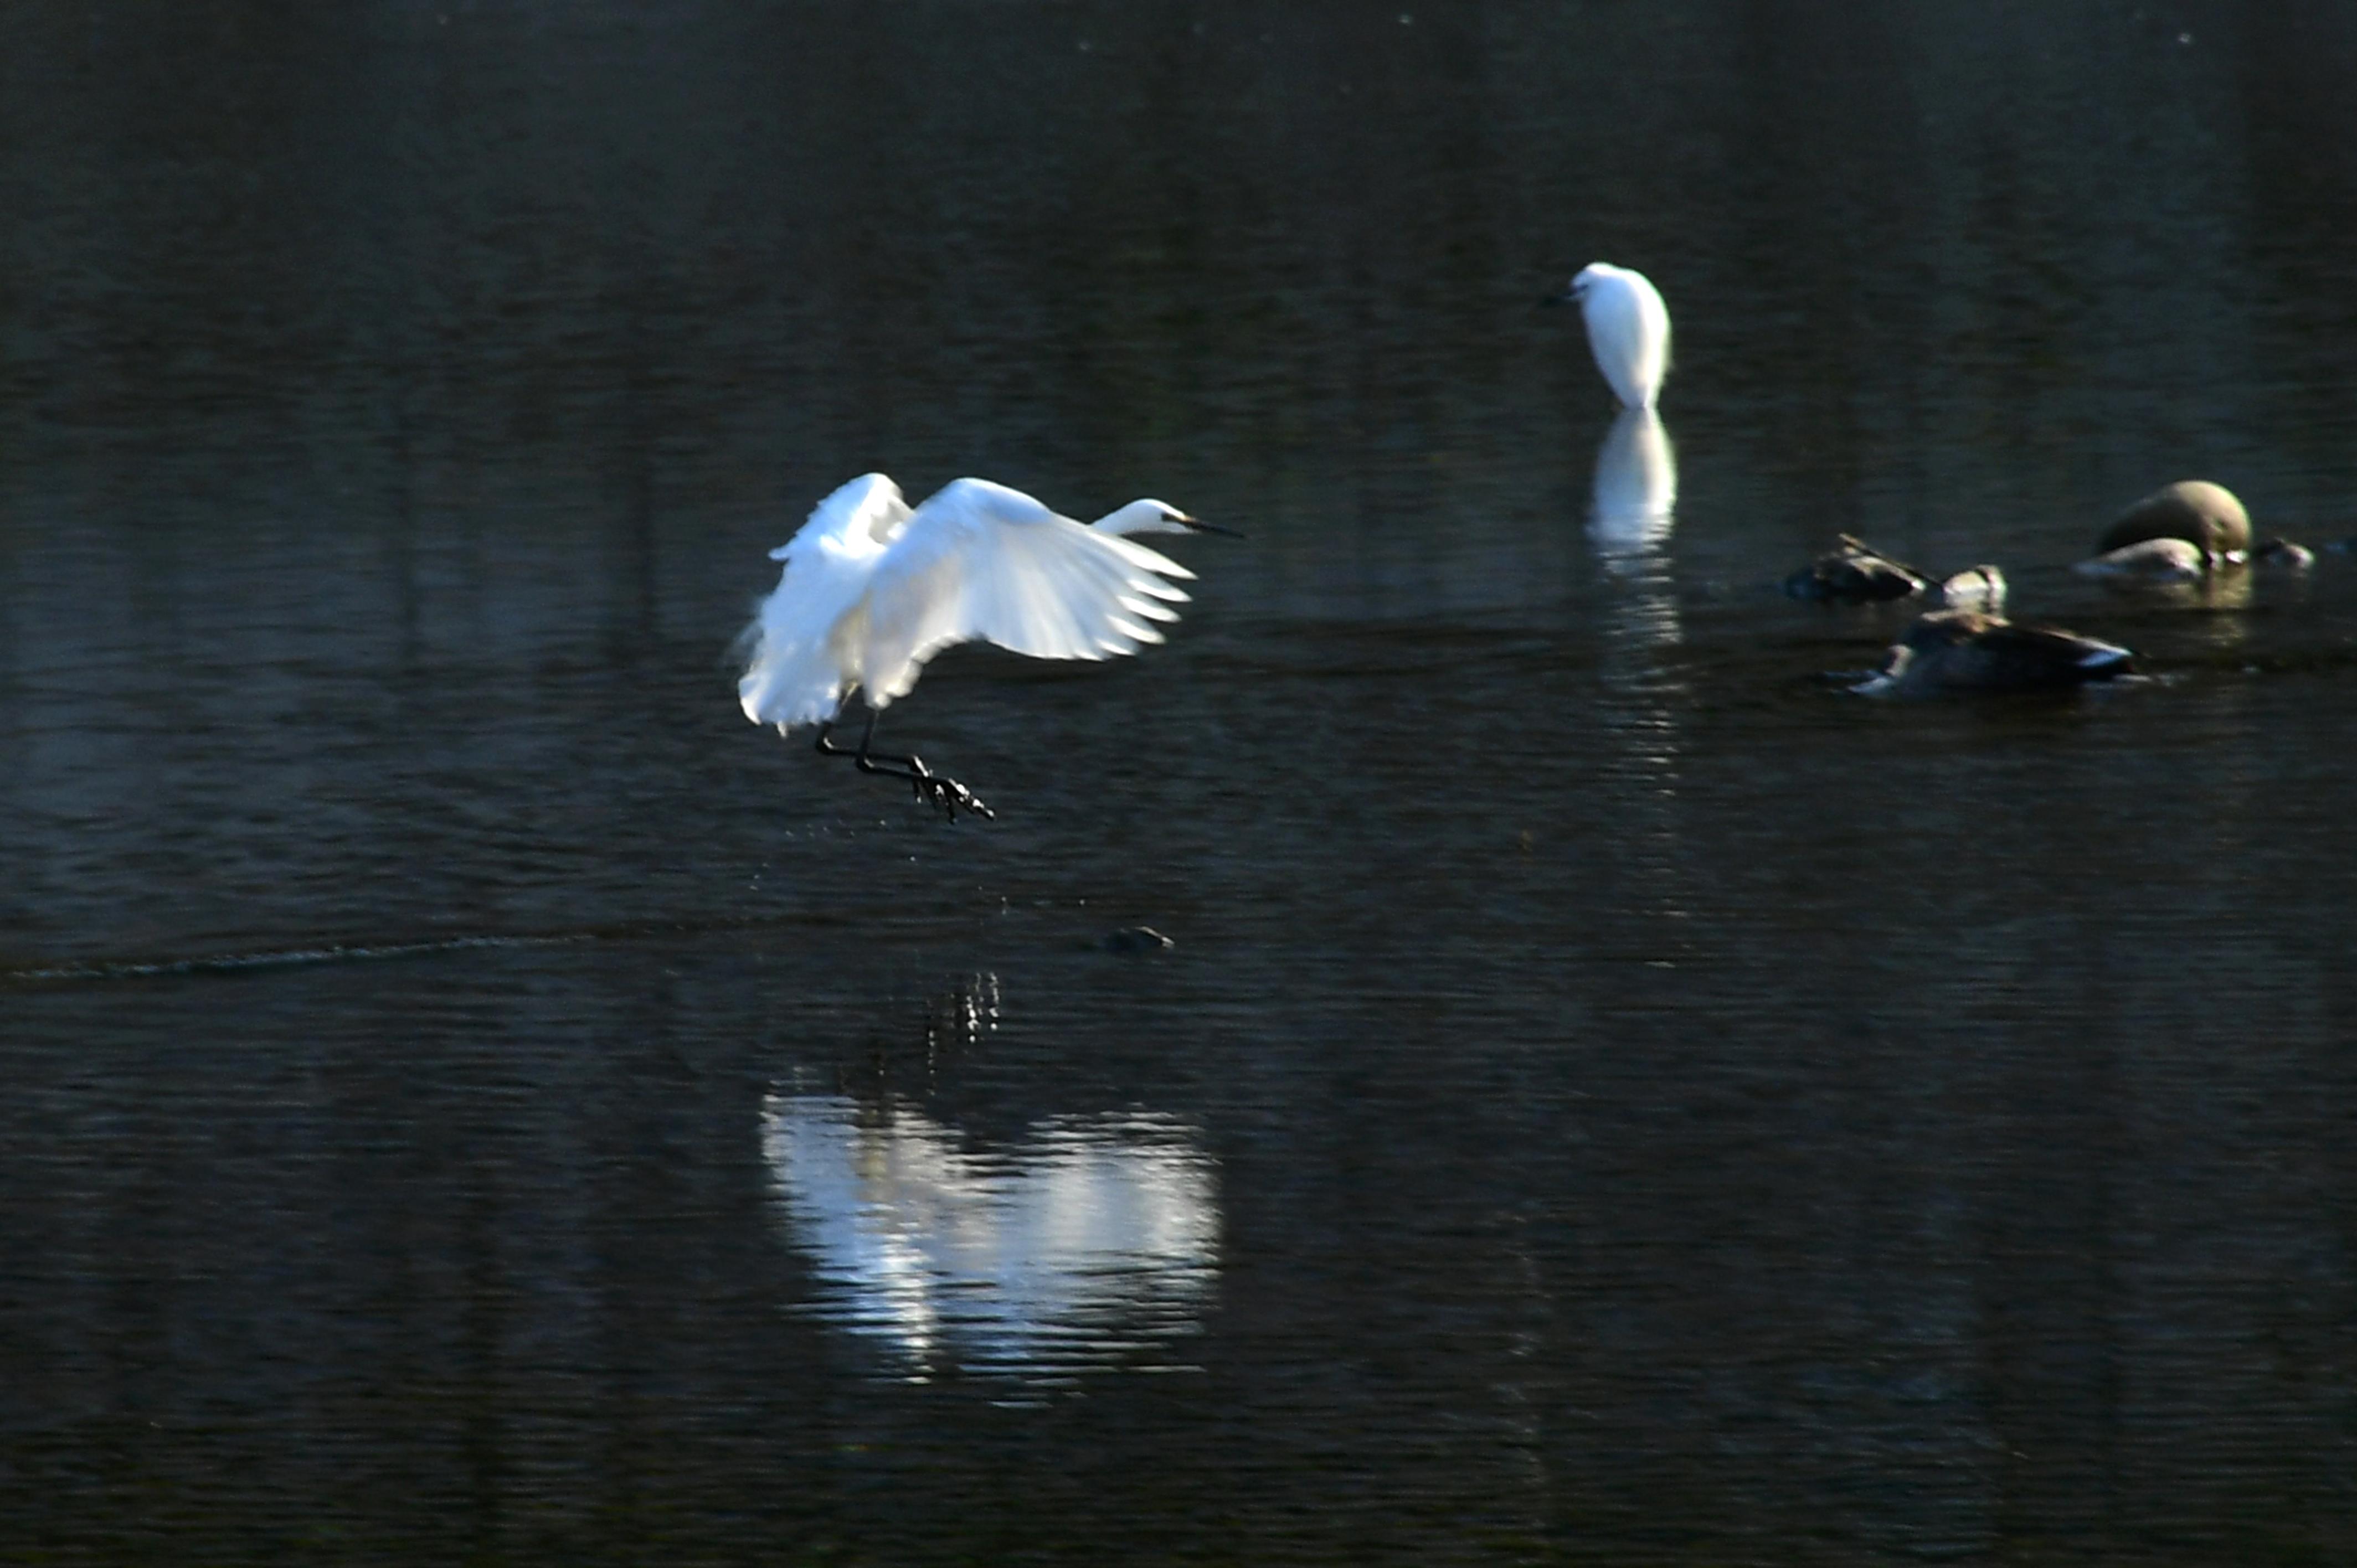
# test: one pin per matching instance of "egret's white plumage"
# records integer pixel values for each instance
(1628, 329)
(872, 590)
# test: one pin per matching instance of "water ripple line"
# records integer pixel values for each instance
(101, 971)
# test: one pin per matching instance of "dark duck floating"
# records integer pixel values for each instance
(1968, 650)
(2184, 532)
(2283, 554)
(2204, 515)
(1855, 572)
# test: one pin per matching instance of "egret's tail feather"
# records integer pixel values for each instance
(789, 683)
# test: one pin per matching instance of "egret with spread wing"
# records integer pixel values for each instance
(872, 590)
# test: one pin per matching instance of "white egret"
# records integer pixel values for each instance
(1627, 329)
(872, 590)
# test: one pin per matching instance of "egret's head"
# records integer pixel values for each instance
(1582, 281)
(1150, 516)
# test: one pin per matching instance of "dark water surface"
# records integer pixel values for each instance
(474, 1098)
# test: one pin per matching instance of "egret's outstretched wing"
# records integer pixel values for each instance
(798, 673)
(979, 560)
(870, 508)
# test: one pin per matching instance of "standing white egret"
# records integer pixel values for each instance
(872, 590)
(1627, 329)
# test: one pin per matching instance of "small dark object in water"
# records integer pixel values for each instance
(1138, 939)
(1855, 571)
(2204, 515)
(1965, 650)
(2282, 554)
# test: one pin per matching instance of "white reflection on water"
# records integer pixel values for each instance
(1636, 498)
(1636, 489)
(1636, 495)
(1095, 1241)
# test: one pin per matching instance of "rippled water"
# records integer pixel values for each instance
(1612, 1097)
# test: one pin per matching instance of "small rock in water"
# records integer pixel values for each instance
(1138, 939)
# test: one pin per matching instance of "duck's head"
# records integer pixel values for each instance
(2281, 554)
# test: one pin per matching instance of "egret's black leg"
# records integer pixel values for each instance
(946, 793)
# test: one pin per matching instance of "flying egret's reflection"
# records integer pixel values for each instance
(1093, 1240)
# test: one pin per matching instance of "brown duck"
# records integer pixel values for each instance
(1968, 650)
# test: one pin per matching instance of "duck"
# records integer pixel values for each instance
(1974, 650)
(2207, 516)
(1855, 572)
(1980, 588)
(2281, 554)
(2161, 560)
(2186, 532)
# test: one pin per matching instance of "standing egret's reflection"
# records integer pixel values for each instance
(1636, 495)
(1094, 1241)
(1636, 502)
(1636, 489)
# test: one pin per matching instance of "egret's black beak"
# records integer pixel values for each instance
(1566, 297)
(1197, 525)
